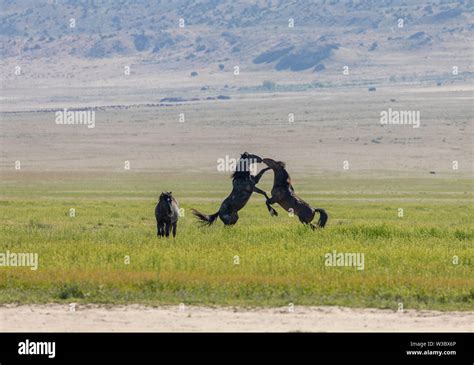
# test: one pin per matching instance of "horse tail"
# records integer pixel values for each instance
(204, 218)
(323, 217)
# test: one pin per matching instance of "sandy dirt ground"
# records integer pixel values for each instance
(138, 318)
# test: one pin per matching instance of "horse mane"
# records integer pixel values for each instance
(240, 174)
(281, 163)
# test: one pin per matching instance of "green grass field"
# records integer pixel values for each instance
(408, 260)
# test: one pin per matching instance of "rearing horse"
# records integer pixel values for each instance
(284, 194)
(243, 185)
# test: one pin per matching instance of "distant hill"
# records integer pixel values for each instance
(256, 33)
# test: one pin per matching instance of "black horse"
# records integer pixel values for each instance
(243, 183)
(166, 213)
(284, 194)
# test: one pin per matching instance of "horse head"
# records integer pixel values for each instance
(250, 157)
(274, 165)
(246, 165)
(166, 199)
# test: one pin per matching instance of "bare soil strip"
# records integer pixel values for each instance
(138, 318)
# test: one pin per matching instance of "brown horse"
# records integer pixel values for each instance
(284, 194)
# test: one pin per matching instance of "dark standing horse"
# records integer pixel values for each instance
(166, 213)
(243, 186)
(284, 194)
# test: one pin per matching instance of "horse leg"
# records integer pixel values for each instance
(260, 174)
(161, 230)
(167, 229)
(225, 218)
(308, 218)
(174, 228)
(260, 191)
(229, 219)
(311, 225)
(272, 211)
(234, 217)
(269, 203)
(307, 214)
